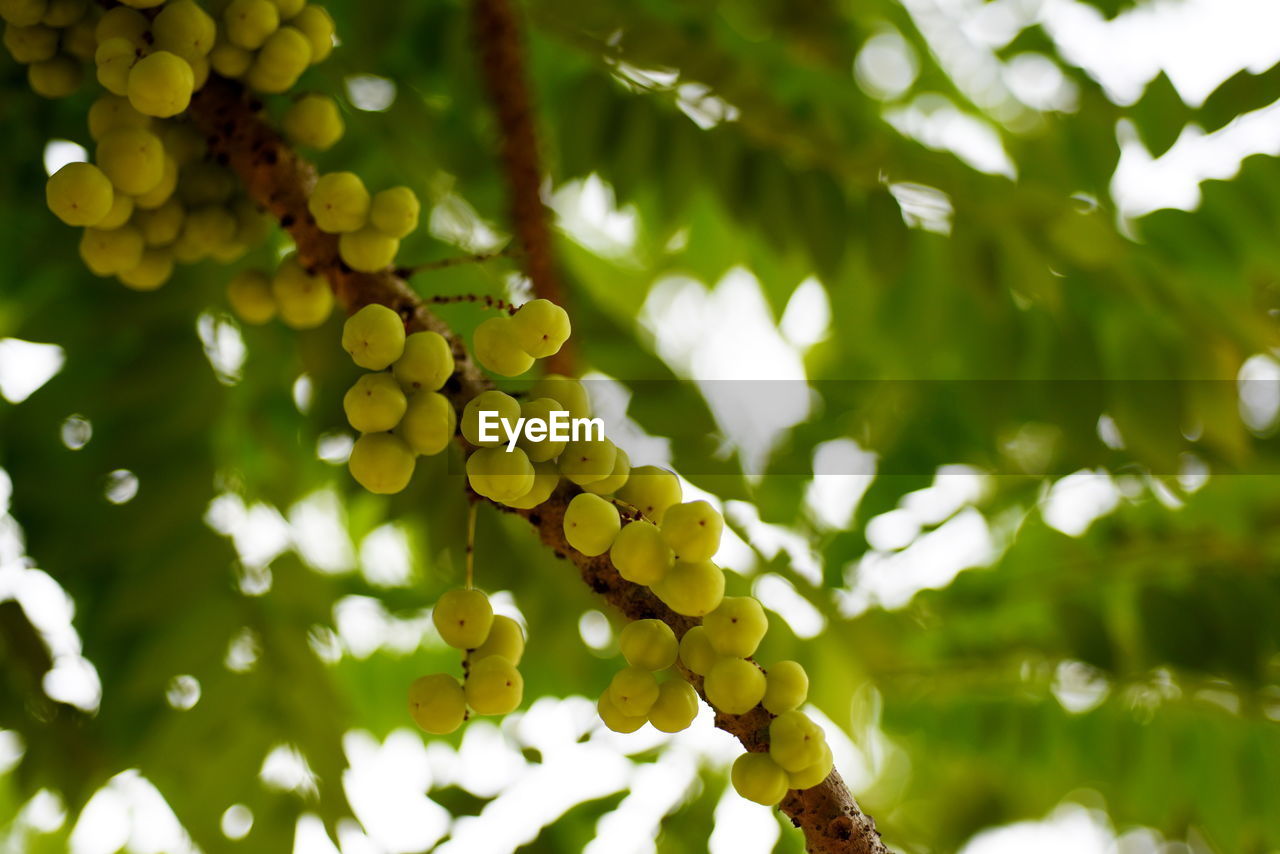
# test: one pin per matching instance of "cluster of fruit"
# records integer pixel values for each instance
(369, 228)
(492, 646)
(635, 696)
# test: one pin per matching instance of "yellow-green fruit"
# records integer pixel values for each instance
(633, 691)
(494, 686)
(289, 8)
(693, 530)
(498, 474)
(569, 393)
(59, 77)
(591, 524)
(162, 226)
(541, 449)
(786, 687)
(339, 202)
(429, 423)
(23, 13)
(807, 778)
(79, 194)
(230, 60)
(692, 589)
(79, 41)
(541, 328)
(616, 479)
(367, 250)
(304, 301)
(615, 719)
(427, 362)
(374, 337)
(248, 23)
(30, 44)
(199, 71)
(394, 211)
(280, 62)
(648, 644)
(696, 651)
(381, 463)
(152, 271)
(132, 158)
(463, 617)
(314, 121)
(314, 23)
(161, 84)
(736, 626)
(545, 480)
(122, 23)
(107, 253)
(675, 708)
(249, 293)
(183, 28)
(506, 407)
(588, 460)
(64, 13)
(142, 4)
(795, 742)
(113, 58)
(734, 685)
(505, 638)
(375, 403)
(204, 230)
(109, 112)
(758, 778)
(160, 193)
(495, 347)
(651, 490)
(121, 211)
(437, 704)
(640, 554)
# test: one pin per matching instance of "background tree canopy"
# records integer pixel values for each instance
(986, 393)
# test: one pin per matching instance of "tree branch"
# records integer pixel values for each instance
(278, 179)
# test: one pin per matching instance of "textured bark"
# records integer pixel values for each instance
(280, 180)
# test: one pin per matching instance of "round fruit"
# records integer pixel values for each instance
(339, 201)
(132, 158)
(314, 23)
(185, 29)
(693, 530)
(692, 589)
(79, 194)
(381, 463)
(107, 253)
(367, 250)
(507, 409)
(795, 742)
(429, 422)
(545, 480)
(640, 554)
(59, 77)
(160, 193)
(427, 362)
(648, 644)
(395, 211)
(113, 59)
(247, 23)
(616, 478)
(544, 449)
(616, 720)
(30, 44)
(374, 337)
(305, 301)
(162, 226)
(786, 687)
(375, 403)
(591, 524)
(249, 293)
(437, 704)
(496, 348)
(506, 639)
(122, 23)
(110, 112)
(64, 13)
(541, 327)
(696, 651)
(230, 60)
(498, 474)
(675, 708)
(734, 685)
(758, 778)
(23, 13)
(736, 626)
(807, 778)
(494, 686)
(160, 84)
(314, 121)
(651, 490)
(633, 691)
(569, 393)
(121, 211)
(588, 460)
(152, 270)
(463, 617)
(281, 61)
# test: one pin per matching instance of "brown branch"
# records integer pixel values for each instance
(278, 179)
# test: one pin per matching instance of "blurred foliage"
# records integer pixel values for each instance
(1165, 607)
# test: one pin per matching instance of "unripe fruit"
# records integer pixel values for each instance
(616, 479)
(64, 13)
(588, 460)
(249, 293)
(247, 23)
(305, 301)
(675, 708)
(427, 362)
(160, 193)
(185, 29)
(289, 8)
(22, 13)
(152, 270)
(648, 644)
(428, 424)
(123, 23)
(374, 337)
(591, 524)
(339, 201)
(615, 719)
(110, 112)
(230, 60)
(651, 490)
(494, 686)
(696, 652)
(463, 617)
(734, 685)
(132, 158)
(394, 212)
(569, 393)
(507, 407)
(367, 250)
(59, 77)
(807, 778)
(633, 691)
(162, 226)
(693, 530)
(78, 40)
(506, 639)
(758, 778)
(540, 450)
(280, 62)
(737, 626)
(437, 704)
(545, 480)
(30, 44)
(314, 23)
(160, 84)
(640, 554)
(499, 475)
(795, 742)
(121, 211)
(541, 327)
(786, 687)
(107, 253)
(113, 59)
(375, 403)
(79, 194)
(314, 121)
(692, 589)
(381, 463)
(495, 347)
